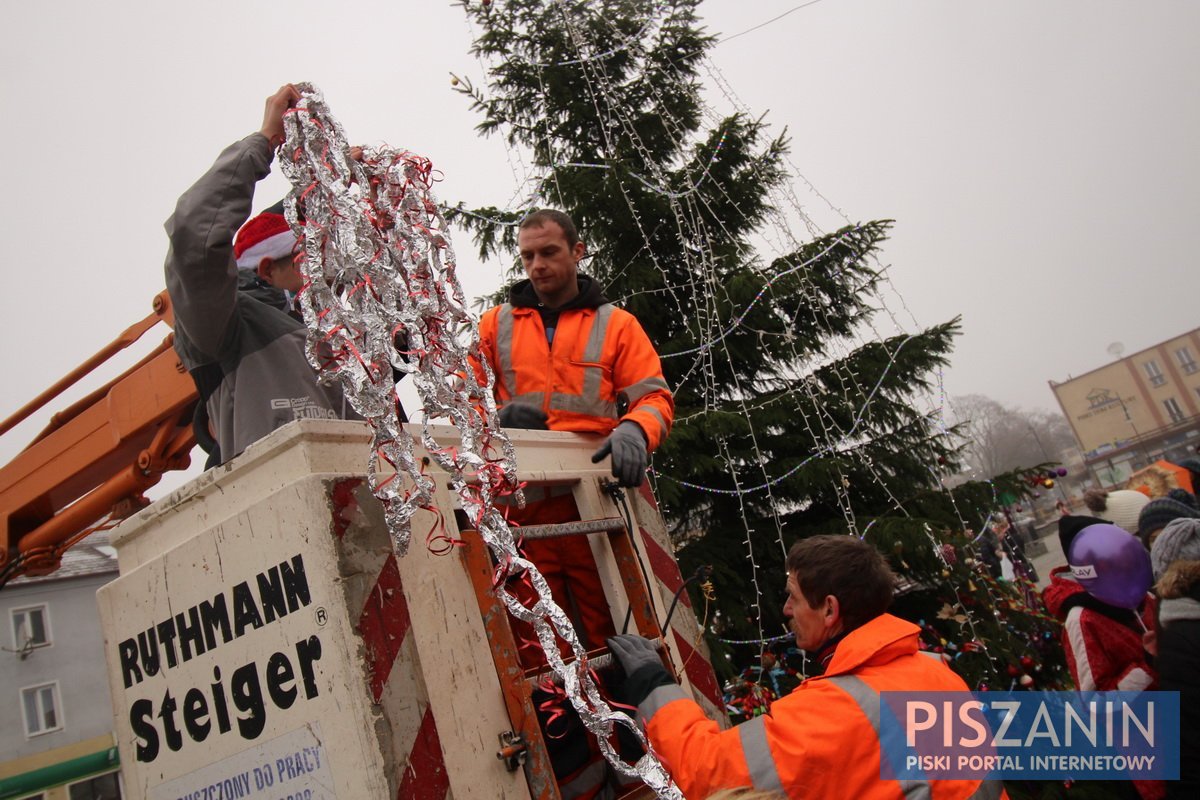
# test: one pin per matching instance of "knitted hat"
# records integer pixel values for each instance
(1158, 513)
(1179, 541)
(265, 236)
(1122, 508)
(1192, 465)
(1069, 527)
(1185, 497)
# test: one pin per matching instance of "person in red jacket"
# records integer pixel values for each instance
(822, 739)
(1103, 643)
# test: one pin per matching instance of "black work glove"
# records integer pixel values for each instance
(522, 415)
(644, 670)
(627, 444)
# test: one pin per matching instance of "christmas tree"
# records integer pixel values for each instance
(795, 414)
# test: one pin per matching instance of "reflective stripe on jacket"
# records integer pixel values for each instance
(601, 364)
(821, 740)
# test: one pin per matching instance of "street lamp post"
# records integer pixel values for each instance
(1137, 437)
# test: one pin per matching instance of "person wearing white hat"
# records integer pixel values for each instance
(1121, 507)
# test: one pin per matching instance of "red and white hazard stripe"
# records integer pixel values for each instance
(384, 625)
(685, 630)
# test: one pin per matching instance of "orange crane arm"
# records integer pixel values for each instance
(97, 457)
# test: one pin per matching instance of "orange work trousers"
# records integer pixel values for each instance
(570, 570)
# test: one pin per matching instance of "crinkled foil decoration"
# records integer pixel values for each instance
(380, 278)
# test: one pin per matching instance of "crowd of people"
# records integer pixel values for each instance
(565, 358)
(1137, 627)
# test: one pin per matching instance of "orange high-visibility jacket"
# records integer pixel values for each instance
(601, 363)
(821, 740)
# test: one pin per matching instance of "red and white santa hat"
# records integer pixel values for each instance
(266, 236)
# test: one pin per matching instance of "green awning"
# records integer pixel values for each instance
(57, 774)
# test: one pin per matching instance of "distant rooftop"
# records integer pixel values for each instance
(93, 556)
(1122, 357)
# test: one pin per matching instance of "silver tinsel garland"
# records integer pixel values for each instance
(382, 295)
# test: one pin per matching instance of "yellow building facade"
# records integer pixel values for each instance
(1136, 410)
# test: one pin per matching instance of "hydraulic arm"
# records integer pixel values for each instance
(91, 465)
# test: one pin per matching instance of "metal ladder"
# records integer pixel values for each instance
(524, 744)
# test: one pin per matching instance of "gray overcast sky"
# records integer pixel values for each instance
(1040, 158)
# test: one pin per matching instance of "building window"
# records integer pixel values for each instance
(101, 787)
(1154, 373)
(42, 709)
(1172, 406)
(1186, 362)
(30, 628)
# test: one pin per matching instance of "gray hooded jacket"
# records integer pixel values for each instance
(246, 356)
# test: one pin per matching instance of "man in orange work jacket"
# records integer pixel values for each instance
(565, 359)
(822, 740)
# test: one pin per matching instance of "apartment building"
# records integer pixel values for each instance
(56, 742)
(1136, 409)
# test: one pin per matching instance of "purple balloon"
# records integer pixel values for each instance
(1111, 564)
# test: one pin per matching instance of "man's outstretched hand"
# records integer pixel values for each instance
(277, 105)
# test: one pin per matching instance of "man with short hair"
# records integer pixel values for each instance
(565, 359)
(232, 329)
(822, 739)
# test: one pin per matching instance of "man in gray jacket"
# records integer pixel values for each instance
(247, 356)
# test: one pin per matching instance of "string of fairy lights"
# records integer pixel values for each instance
(791, 245)
(831, 425)
(699, 261)
(788, 226)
